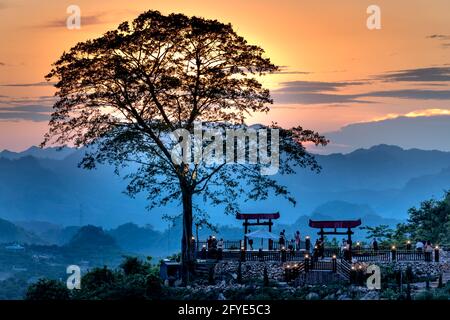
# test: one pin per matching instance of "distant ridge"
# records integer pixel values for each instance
(387, 178)
(39, 153)
(11, 233)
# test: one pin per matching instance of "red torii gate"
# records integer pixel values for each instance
(267, 221)
(336, 224)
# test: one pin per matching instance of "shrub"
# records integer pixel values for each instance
(46, 289)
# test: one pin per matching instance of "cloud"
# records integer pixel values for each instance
(35, 84)
(13, 101)
(315, 98)
(431, 74)
(35, 113)
(314, 92)
(17, 116)
(284, 70)
(85, 21)
(27, 108)
(415, 114)
(419, 94)
(441, 38)
(315, 86)
(407, 131)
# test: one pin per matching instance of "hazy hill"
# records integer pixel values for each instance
(134, 238)
(9, 233)
(92, 238)
(388, 179)
(36, 152)
(425, 133)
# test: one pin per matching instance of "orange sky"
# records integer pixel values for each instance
(316, 41)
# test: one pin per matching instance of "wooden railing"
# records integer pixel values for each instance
(231, 252)
(227, 244)
(393, 255)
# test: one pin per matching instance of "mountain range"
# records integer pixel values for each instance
(382, 181)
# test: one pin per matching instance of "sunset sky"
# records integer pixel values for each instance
(335, 71)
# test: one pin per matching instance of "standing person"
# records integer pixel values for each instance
(321, 249)
(250, 243)
(419, 246)
(428, 251)
(291, 245)
(297, 240)
(209, 242)
(281, 241)
(316, 251)
(214, 242)
(375, 245)
(345, 249)
(193, 247)
(220, 249)
(247, 240)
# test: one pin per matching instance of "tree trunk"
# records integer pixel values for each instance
(187, 259)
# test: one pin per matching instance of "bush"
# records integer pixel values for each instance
(46, 289)
(132, 265)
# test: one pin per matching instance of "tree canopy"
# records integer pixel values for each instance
(125, 93)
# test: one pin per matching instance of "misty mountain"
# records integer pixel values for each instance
(10, 233)
(425, 133)
(134, 238)
(39, 153)
(388, 179)
(92, 238)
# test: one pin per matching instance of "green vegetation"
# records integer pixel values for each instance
(48, 290)
(431, 221)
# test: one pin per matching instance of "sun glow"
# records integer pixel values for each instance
(415, 114)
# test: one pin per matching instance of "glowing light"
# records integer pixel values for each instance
(415, 114)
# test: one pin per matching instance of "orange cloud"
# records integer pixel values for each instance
(415, 113)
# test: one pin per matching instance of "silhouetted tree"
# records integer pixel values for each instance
(265, 277)
(46, 289)
(239, 273)
(133, 265)
(124, 92)
(440, 281)
(431, 221)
